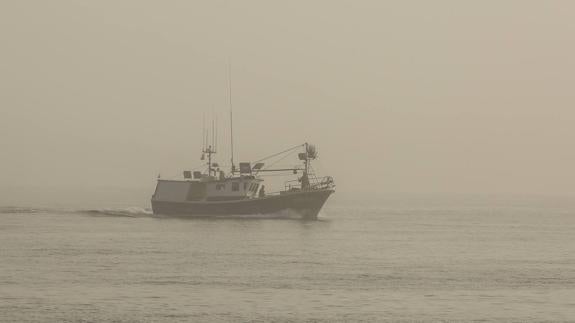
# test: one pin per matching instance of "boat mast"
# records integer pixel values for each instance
(306, 162)
(210, 161)
(209, 150)
(231, 116)
(305, 178)
(209, 145)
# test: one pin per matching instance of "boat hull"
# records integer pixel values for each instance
(307, 204)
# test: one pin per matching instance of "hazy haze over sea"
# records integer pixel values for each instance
(97, 98)
(398, 96)
(398, 258)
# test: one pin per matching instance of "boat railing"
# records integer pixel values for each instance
(319, 183)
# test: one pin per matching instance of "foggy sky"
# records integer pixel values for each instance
(399, 96)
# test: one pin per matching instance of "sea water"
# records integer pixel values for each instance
(392, 259)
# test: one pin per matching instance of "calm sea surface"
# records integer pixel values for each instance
(402, 259)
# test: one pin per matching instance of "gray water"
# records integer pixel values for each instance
(403, 259)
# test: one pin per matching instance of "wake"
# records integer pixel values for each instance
(133, 212)
(20, 210)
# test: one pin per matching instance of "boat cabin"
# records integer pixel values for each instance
(232, 188)
(208, 189)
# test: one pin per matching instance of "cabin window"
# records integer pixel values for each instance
(235, 186)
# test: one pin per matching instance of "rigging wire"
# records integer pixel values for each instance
(277, 161)
(276, 154)
(275, 175)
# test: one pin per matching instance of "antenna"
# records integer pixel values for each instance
(204, 133)
(213, 131)
(231, 115)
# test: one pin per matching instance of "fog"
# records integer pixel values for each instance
(398, 96)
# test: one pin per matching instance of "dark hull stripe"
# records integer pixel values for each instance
(306, 203)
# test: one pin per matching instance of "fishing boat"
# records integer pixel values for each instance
(242, 192)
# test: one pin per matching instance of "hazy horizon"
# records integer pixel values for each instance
(406, 97)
